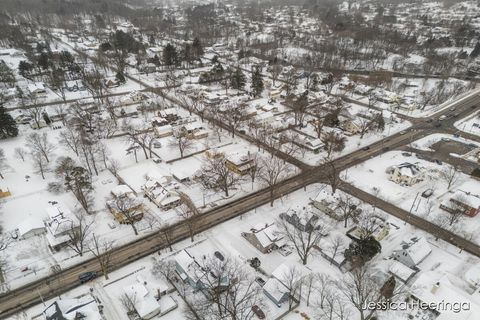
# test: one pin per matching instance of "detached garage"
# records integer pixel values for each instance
(30, 228)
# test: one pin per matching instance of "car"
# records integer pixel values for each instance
(473, 145)
(429, 120)
(442, 117)
(455, 115)
(438, 125)
(453, 108)
(437, 161)
(366, 148)
(258, 312)
(219, 255)
(473, 107)
(427, 193)
(260, 281)
(157, 144)
(87, 276)
(403, 132)
(386, 148)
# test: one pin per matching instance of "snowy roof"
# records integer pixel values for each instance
(184, 259)
(467, 198)
(58, 211)
(409, 169)
(275, 289)
(473, 275)
(418, 250)
(401, 271)
(121, 190)
(36, 87)
(68, 308)
(436, 287)
(145, 302)
(281, 273)
(28, 225)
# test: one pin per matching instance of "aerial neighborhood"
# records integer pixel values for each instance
(238, 160)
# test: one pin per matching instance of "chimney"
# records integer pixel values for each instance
(435, 288)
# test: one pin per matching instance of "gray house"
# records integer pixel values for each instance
(413, 253)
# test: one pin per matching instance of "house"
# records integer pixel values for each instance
(163, 131)
(437, 288)
(276, 288)
(377, 227)
(144, 301)
(406, 173)
(38, 124)
(159, 122)
(264, 118)
(111, 83)
(412, 253)
(84, 308)
(37, 90)
(330, 205)
(276, 291)
(194, 130)
(31, 227)
(309, 143)
(240, 163)
(191, 271)
(265, 237)
(401, 271)
(124, 205)
(59, 224)
(135, 97)
(466, 202)
(162, 192)
(4, 193)
(301, 219)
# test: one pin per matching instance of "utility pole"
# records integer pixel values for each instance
(411, 208)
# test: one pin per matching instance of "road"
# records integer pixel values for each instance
(66, 279)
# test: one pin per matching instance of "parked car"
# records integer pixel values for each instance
(427, 193)
(87, 276)
(443, 117)
(403, 132)
(366, 148)
(219, 255)
(258, 312)
(260, 281)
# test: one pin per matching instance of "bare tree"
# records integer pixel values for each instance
(272, 171)
(38, 143)
(348, 206)
(292, 279)
(71, 139)
(102, 250)
(334, 244)
(358, 288)
(78, 233)
(35, 111)
(230, 293)
(129, 301)
(333, 141)
(39, 163)
(216, 174)
(303, 239)
(331, 174)
(130, 208)
(20, 153)
(3, 162)
(182, 142)
(450, 175)
(190, 214)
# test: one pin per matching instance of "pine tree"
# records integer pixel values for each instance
(238, 80)
(170, 56)
(8, 126)
(120, 77)
(197, 48)
(257, 81)
(476, 51)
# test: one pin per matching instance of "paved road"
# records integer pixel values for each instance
(63, 281)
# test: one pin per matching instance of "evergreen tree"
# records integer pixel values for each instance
(238, 79)
(257, 81)
(120, 77)
(476, 51)
(8, 126)
(197, 49)
(363, 250)
(170, 56)
(44, 61)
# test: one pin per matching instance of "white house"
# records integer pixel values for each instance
(37, 89)
(145, 303)
(162, 191)
(60, 222)
(84, 308)
(406, 173)
(413, 253)
(31, 227)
